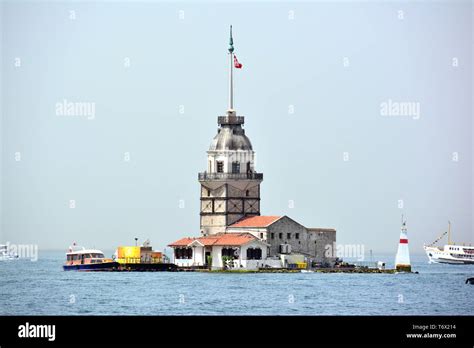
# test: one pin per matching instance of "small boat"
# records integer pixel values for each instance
(5, 254)
(451, 253)
(81, 259)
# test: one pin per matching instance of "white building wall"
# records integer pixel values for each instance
(183, 262)
(229, 156)
(198, 256)
(254, 231)
(196, 260)
(254, 244)
(216, 254)
(241, 263)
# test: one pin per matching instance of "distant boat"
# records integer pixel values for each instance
(5, 254)
(451, 253)
(81, 259)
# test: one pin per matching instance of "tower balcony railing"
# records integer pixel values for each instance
(230, 120)
(230, 176)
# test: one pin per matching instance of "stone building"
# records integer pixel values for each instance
(284, 235)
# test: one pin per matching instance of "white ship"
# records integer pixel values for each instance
(5, 254)
(451, 253)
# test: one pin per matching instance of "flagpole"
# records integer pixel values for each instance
(231, 72)
(231, 83)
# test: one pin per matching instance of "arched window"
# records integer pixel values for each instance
(229, 252)
(250, 254)
(220, 167)
(254, 254)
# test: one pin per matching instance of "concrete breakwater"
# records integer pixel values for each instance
(283, 270)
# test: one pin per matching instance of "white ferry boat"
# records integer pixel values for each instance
(81, 259)
(451, 253)
(5, 254)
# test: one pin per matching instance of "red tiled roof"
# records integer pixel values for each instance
(256, 221)
(222, 239)
(182, 242)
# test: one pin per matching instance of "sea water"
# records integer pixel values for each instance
(43, 288)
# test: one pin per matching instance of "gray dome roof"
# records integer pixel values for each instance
(230, 138)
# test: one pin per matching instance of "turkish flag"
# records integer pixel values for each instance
(236, 63)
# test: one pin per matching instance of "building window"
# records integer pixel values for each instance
(220, 167)
(288, 235)
(235, 167)
(254, 254)
(208, 193)
(297, 235)
(261, 235)
(183, 253)
(230, 252)
(280, 235)
(247, 193)
(273, 235)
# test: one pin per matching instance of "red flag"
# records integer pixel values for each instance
(236, 63)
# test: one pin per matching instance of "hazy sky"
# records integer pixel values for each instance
(314, 78)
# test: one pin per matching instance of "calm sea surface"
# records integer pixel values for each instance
(43, 288)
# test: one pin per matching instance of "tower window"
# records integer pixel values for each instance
(297, 236)
(273, 235)
(235, 167)
(220, 167)
(288, 235)
(280, 235)
(208, 193)
(247, 193)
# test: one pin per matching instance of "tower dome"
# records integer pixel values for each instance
(230, 136)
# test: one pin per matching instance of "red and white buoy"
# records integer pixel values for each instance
(402, 260)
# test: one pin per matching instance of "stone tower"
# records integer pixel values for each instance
(230, 187)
